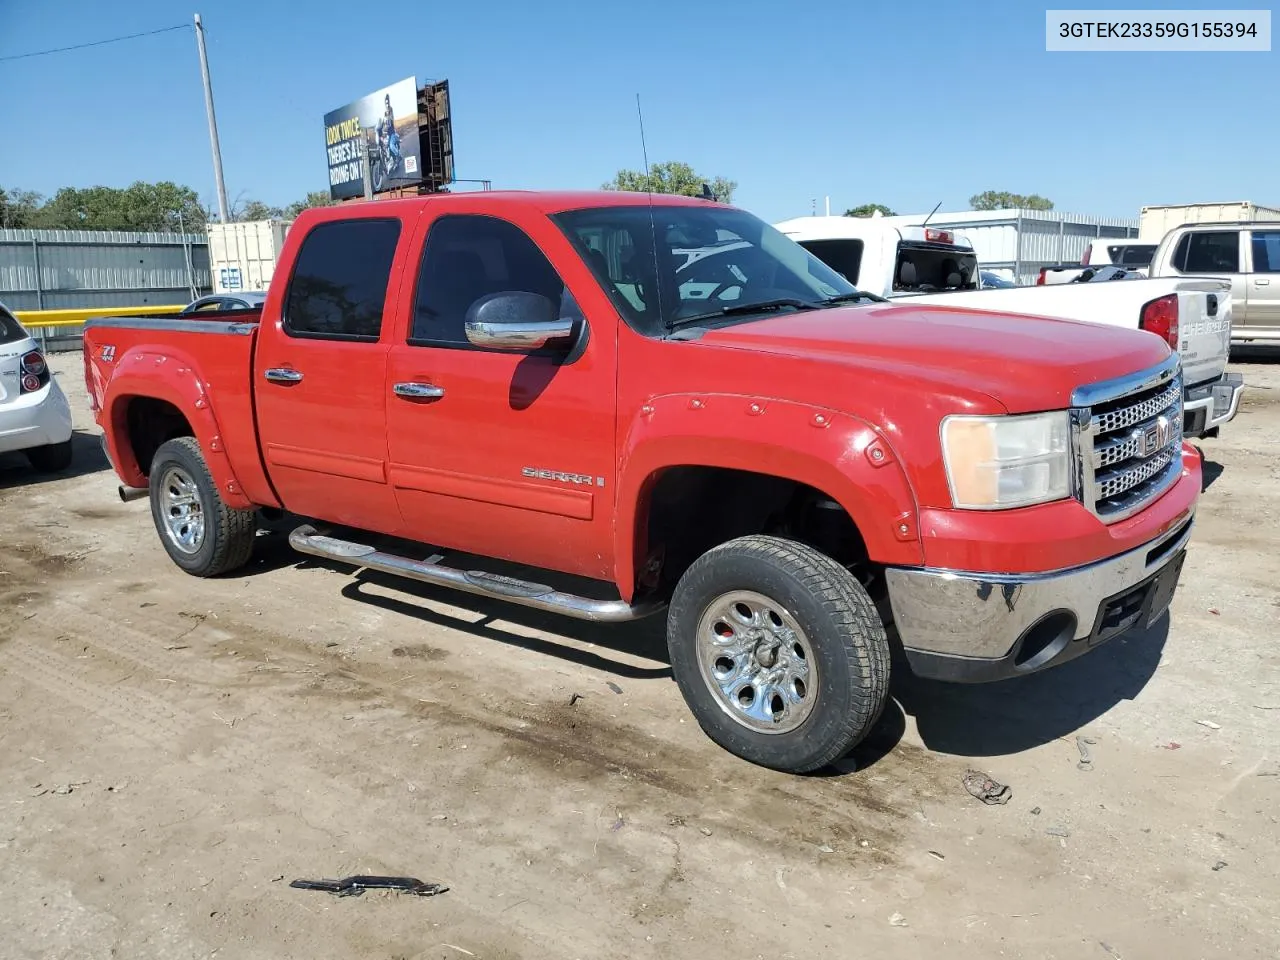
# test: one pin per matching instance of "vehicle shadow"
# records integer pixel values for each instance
(86, 457)
(1210, 472)
(982, 720)
(645, 639)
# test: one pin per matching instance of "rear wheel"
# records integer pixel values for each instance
(201, 534)
(53, 458)
(779, 652)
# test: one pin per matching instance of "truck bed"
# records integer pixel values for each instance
(126, 356)
(1204, 324)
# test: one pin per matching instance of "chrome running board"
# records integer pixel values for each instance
(306, 539)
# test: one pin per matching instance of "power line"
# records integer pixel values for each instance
(96, 43)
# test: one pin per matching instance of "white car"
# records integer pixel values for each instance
(35, 417)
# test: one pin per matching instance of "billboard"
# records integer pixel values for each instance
(387, 121)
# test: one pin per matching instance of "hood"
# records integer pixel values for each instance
(1025, 363)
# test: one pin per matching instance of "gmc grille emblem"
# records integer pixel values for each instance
(1155, 437)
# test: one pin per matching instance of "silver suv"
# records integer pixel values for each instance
(1246, 253)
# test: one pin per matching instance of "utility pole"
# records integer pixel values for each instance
(365, 172)
(213, 124)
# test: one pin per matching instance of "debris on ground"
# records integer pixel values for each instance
(897, 920)
(618, 823)
(985, 789)
(1083, 744)
(1058, 831)
(1171, 745)
(705, 831)
(826, 848)
(1035, 811)
(1219, 865)
(60, 789)
(574, 698)
(935, 854)
(1210, 724)
(675, 821)
(357, 885)
(613, 686)
(1216, 613)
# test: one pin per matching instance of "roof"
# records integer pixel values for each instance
(550, 201)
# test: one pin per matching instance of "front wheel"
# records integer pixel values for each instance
(779, 652)
(201, 534)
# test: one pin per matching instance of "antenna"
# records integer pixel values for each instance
(653, 226)
(931, 213)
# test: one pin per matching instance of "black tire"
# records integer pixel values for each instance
(839, 623)
(226, 540)
(53, 458)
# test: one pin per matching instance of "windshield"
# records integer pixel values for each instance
(705, 260)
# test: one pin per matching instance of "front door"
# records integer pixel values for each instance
(1263, 305)
(503, 454)
(320, 375)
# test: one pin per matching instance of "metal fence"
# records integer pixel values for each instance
(73, 269)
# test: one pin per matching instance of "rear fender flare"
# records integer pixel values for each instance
(844, 457)
(170, 375)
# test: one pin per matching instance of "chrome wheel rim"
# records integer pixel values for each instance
(181, 510)
(757, 662)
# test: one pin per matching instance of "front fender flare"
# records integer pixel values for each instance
(844, 457)
(170, 375)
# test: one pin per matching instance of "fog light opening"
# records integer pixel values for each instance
(1045, 639)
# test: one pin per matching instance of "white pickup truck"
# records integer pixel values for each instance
(936, 266)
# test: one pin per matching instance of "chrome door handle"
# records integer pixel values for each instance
(418, 391)
(283, 375)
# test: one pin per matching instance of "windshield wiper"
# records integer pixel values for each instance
(852, 297)
(764, 306)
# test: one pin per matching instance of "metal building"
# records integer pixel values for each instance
(1023, 241)
(70, 269)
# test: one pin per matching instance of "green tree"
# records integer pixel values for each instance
(867, 209)
(672, 176)
(316, 198)
(163, 206)
(256, 210)
(19, 208)
(1003, 200)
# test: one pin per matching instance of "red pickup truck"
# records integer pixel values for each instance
(572, 382)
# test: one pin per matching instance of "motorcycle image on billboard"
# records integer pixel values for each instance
(387, 121)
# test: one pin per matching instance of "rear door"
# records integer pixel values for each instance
(502, 453)
(320, 373)
(1263, 282)
(1216, 253)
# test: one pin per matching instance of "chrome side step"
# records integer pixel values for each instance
(307, 540)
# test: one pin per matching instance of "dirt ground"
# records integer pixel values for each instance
(175, 751)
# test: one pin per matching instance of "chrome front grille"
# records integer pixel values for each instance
(1128, 436)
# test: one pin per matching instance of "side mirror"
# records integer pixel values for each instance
(516, 320)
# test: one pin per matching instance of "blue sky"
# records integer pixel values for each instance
(865, 101)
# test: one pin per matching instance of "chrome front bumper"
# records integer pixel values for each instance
(976, 627)
(1207, 406)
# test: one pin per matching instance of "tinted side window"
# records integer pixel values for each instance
(1213, 253)
(1266, 251)
(470, 256)
(842, 256)
(10, 332)
(339, 283)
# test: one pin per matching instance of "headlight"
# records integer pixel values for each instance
(994, 463)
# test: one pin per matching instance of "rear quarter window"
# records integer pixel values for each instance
(842, 256)
(10, 330)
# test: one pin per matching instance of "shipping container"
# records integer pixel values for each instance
(1156, 221)
(242, 256)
